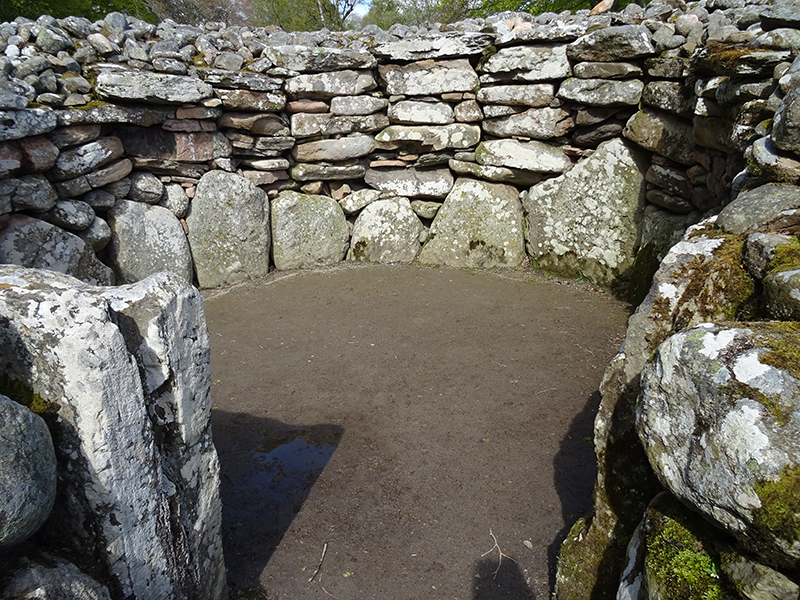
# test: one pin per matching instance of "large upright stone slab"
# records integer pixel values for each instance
(386, 231)
(429, 77)
(479, 225)
(576, 226)
(229, 232)
(307, 231)
(146, 240)
(123, 376)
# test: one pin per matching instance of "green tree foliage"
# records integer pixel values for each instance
(91, 9)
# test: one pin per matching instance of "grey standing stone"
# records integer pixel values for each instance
(786, 127)
(35, 244)
(146, 240)
(386, 231)
(575, 226)
(307, 231)
(27, 473)
(229, 231)
(479, 225)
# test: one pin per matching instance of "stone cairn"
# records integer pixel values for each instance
(654, 143)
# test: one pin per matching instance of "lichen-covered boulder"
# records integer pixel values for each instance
(27, 472)
(113, 370)
(479, 225)
(717, 418)
(145, 240)
(307, 231)
(575, 226)
(386, 231)
(33, 243)
(229, 232)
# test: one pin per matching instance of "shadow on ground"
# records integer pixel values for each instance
(268, 469)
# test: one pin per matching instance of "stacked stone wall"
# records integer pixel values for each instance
(109, 128)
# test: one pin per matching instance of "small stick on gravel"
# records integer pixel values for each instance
(324, 550)
(500, 552)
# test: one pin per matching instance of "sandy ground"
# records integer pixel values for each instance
(401, 420)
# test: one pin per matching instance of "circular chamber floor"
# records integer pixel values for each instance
(410, 423)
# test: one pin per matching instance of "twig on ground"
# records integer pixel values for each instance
(500, 552)
(324, 550)
(543, 391)
(327, 592)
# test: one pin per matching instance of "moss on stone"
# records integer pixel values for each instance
(679, 556)
(19, 392)
(787, 257)
(780, 505)
(724, 58)
(772, 402)
(782, 340)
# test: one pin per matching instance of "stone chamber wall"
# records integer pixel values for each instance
(152, 157)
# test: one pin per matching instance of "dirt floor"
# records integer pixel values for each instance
(400, 421)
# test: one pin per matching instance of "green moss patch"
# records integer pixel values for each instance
(19, 392)
(772, 402)
(780, 505)
(680, 558)
(787, 257)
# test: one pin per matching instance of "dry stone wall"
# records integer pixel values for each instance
(614, 131)
(659, 141)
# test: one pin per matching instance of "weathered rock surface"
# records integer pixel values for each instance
(536, 157)
(332, 150)
(32, 243)
(120, 365)
(535, 123)
(152, 87)
(438, 137)
(229, 232)
(536, 95)
(602, 92)
(328, 85)
(529, 63)
(308, 124)
(386, 231)
(479, 225)
(27, 474)
(663, 133)
(317, 60)
(428, 77)
(721, 399)
(756, 208)
(146, 240)
(307, 231)
(407, 112)
(612, 43)
(575, 226)
(782, 289)
(453, 44)
(52, 578)
(410, 182)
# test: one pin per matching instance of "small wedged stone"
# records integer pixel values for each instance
(229, 232)
(308, 231)
(386, 231)
(97, 235)
(354, 202)
(479, 225)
